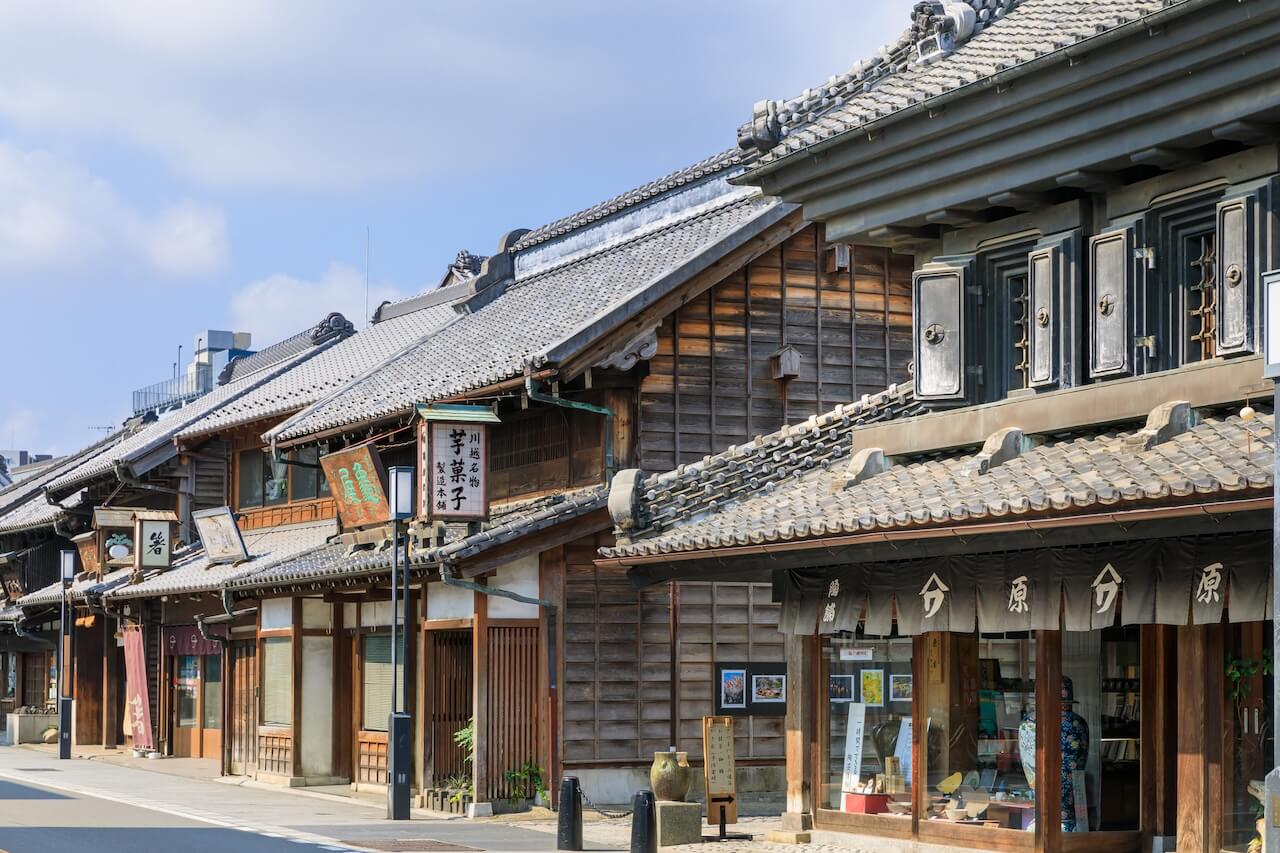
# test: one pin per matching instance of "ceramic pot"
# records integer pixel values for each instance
(670, 776)
(1075, 752)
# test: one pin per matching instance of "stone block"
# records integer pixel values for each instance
(679, 823)
(782, 836)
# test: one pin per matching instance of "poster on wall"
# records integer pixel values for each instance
(872, 687)
(733, 688)
(840, 688)
(852, 770)
(742, 689)
(899, 688)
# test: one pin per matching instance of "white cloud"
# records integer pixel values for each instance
(326, 96)
(275, 307)
(57, 217)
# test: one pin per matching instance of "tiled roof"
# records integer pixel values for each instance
(192, 571)
(689, 174)
(337, 560)
(1218, 456)
(1006, 33)
(161, 432)
(52, 593)
(36, 511)
(338, 365)
(333, 326)
(537, 313)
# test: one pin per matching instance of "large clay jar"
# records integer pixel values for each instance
(670, 776)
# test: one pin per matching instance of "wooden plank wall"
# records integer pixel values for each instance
(621, 647)
(710, 384)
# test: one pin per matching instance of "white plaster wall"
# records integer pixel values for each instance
(317, 613)
(518, 576)
(317, 706)
(449, 602)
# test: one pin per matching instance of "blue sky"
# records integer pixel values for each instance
(167, 168)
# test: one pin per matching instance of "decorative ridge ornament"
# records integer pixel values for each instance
(333, 326)
(938, 28)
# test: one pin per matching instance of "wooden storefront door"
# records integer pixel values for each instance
(197, 706)
(243, 725)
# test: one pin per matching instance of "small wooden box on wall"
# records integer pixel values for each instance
(785, 363)
(113, 539)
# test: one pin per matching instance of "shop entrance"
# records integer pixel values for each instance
(447, 703)
(1248, 736)
(197, 706)
(243, 724)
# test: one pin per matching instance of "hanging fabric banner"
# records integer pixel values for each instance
(1083, 588)
(138, 704)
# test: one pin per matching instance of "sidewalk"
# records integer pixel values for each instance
(331, 816)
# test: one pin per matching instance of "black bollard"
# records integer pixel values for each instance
(644, 832)
(569, 829)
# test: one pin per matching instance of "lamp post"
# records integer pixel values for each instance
(400, 499)
(1271, 352)
(67, 573)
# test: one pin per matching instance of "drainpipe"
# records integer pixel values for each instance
(554, 400)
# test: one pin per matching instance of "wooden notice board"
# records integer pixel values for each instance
(718, 768)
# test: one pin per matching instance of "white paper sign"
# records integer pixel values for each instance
(850, 777)
(155, 543)
(856, 654)
(459, 468)
(902, 751)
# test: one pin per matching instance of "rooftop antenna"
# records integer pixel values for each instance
(367, 238)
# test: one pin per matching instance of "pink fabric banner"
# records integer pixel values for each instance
(139, 705)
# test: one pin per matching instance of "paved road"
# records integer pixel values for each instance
(47, 806)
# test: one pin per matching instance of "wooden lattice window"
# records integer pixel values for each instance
(538, 437)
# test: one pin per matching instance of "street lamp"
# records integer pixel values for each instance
(67, 572)
(400, 500)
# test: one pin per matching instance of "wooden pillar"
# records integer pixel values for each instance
(621, 402)
(1048, 742)
(1192, 763)
(480, 696)
(919, 727)
(551, 570)
(110, 685)
(296, 716)
(800, 730)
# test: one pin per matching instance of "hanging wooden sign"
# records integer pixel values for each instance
(220, 534)
(456, 459)
(356, 480)
(718, 768)
(153, 535)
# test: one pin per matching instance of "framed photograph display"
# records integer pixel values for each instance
(899, 688)
(872, 683)
(840, 688)
(743, 689)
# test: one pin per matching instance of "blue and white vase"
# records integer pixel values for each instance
(1075, 752)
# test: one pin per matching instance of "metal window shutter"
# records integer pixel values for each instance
(1111, 282)
(1235, 274)
(377, 682)
(939, 307)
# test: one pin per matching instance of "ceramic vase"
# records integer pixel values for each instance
(1075, 752)
(670, 776)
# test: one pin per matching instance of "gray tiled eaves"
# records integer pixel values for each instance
(326, 372)
(534, 314)
(192, 571)
(336, 560)
(1008, 33)
(52, 593)
(1217, 457)
(36, 511)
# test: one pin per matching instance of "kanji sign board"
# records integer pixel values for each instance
(455, 457)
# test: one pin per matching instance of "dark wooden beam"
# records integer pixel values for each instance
(896, 235)
(1164, 157)
(952, 216)
(1248, 132)
(1021, 199)
(1085, 179)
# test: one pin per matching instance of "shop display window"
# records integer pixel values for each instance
(869, 701)
(1248, 719)
(1101, 725)
(186, 690)
(979, 712)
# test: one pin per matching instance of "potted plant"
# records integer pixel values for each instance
(525, 783)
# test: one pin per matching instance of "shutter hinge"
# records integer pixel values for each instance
(1146, 253)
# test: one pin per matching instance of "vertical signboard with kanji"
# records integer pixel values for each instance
(455, 459)
(719, 771)
(355, 478)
